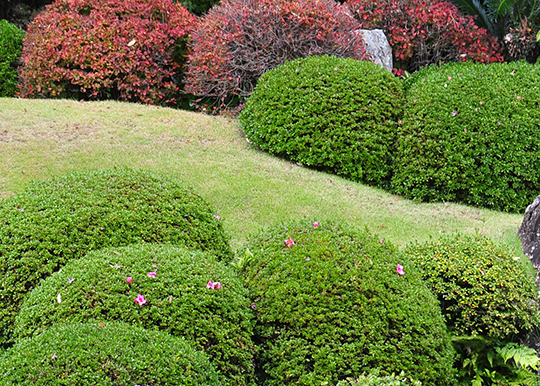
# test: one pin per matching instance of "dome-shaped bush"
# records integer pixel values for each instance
(103, 354)
(11, 39)
(482, 290)
(61, 219)
(131, 50)
(239, 40)
(156, 287)
(332, 302)
(470, 134)
(332, 113)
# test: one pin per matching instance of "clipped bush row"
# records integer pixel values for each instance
(330, 113)
(107, 354)
(333, 302)
(11, 39)
(58, 220)
(460, 132)
(157, 287)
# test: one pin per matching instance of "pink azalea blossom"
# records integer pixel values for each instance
(152, 274)
(289, 243)
(400, 269)
(140, 300)
(210, 285)
(217, 285)
(217, 217)
(316, 224)
(129, 280)
(213, 285)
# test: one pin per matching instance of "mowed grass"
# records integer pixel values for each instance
(249, 189)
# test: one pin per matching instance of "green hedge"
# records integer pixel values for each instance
(61, 219)
(482, 290)
(96, 287)
(337, 114)
(470, 134)
(102, 354)
(330, 305)
(11, 39)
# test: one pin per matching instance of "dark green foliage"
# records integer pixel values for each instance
(470, 134)
(61, 219)
(198, 7)
(482, 290)
(11, 39)
(337, 114)
(332, 306)
(112, 354)
(218, 321)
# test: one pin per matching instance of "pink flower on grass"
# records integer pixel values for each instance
(129, 280)
(316, 224)
(400, 269)
(152, 274)
(213, 285)
(217, 217)
(140, 300)
(289, 243)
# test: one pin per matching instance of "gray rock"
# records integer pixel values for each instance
(529, 233)
(377, 47)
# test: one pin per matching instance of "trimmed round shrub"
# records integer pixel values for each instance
(11, 39)
(58, 220)
(112, 354)
(331, 304)
(155, 287)
(423, 32)
(331, 113)
(470, 135)
(239, 40)
(130, 50)
(482, 290)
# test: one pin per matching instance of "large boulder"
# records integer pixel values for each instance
(377, 47)
(529, 233)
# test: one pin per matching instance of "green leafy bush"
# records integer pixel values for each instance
(61, 219)
(470, 134)
(482, 290)
(11, 39)
(374, 379)
(337, 114)
(173, 283)
(330, 305)
(105, 354)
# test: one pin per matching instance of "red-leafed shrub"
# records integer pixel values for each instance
(131, 50)
(239, 40)
(423, 32)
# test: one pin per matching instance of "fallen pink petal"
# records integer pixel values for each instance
(210, 285)
(217, 285)
(217, 217)
(289, 243)
(316, 224)
(140, 300)
(152, 274)
(129, 280)
(400, 269)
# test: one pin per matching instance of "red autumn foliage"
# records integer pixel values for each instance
(423, 32)
(129, 50)
(239, 40)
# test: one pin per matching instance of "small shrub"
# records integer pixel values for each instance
(61, 219)
(470, 134)
(11, 39)
(423, 32)
(330, 305)
(332, 113)
(481, 289)
(86, 49)
(374, 379)
(239, 40)
(105, 354)
(173, 283)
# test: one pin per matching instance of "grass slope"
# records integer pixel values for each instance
(249, 189)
